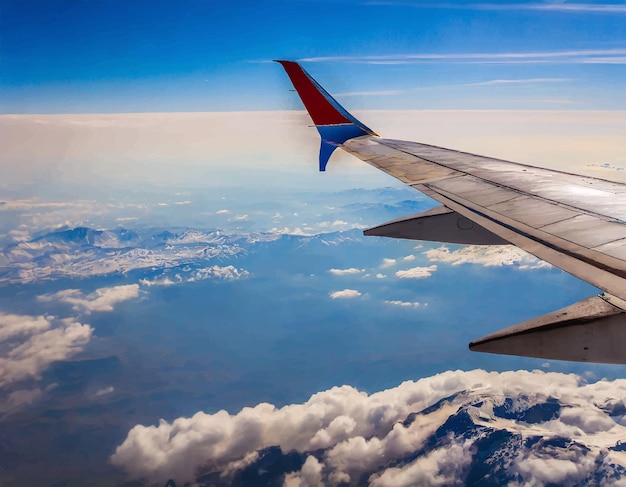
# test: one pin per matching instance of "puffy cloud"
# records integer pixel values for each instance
(101, 299)
(380, 276)
(405, 304)
(29, 344)
(388, 262)
(488, 256)
(409, 258)
(417, 272)
(222, 212)
(543, 470)
(401, 436)
(345, 294)
(441, 467)
(309, 476)
(344, 272)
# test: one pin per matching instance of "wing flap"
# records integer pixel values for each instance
(439, 224)
(592, 330)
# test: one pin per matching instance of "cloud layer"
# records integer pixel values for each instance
(418, 433)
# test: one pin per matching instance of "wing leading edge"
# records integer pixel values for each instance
(573, 222)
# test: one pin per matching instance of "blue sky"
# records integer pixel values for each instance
(150, 56)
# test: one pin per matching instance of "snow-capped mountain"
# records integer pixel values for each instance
(477, 428)
(85, 252)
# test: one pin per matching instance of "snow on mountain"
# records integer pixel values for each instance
(455, 428)
(84, 252)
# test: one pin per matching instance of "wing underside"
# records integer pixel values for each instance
(575, 223)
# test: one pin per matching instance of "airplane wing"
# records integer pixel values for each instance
(574, 222)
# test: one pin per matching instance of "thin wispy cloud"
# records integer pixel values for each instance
(371, 93)
(577, 56)
(496, 82)
(606, 8)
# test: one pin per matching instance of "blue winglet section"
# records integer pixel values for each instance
(333, 136)
(334, 123)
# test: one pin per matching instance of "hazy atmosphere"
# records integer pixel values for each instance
(184, 296)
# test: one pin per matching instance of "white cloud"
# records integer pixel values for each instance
(345, 294)
(417, 272)
(404, 304)
(29, 344)
(222, 212)
(104, 391)
(440, 467)
(408, 258)
(495, 82)
(102, 299)
(371, 93)
(380, 276)
(309, 476)
(355, 434)
(388, 263)
(488, 256)
(572, 56)
(344, 272)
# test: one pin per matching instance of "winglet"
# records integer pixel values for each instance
(333, 122)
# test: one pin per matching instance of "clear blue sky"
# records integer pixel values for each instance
(95, 56)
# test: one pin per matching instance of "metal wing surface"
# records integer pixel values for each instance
(574, 222)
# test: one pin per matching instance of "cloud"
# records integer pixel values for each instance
(105, 391)
(372, 93)
(380, 276)
(404, 304)
(344, 272)
(400, 436)
(222, 212)
(408, 258)
(102, 299)
(571, 56)
(345, 294)
(309, 476)
(441, 467)
(388, 262)
(417, 272)
(488, 256)
(495, 82)
(29, 344)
